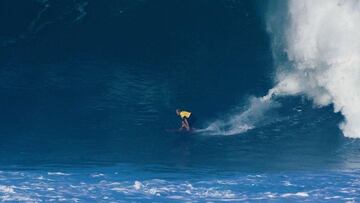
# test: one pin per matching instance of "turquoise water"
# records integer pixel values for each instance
(158, 183)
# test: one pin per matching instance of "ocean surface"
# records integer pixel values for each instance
(89, 91)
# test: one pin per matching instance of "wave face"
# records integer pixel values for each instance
(317, 51)
(93, 82)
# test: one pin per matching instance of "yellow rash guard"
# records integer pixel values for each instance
(185, 114)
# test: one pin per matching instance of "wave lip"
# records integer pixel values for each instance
(322, 51)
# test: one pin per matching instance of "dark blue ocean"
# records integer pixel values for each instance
(89, 91)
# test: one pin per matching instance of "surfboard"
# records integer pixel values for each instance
(177, 131)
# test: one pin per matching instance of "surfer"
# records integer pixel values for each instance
(187, 120)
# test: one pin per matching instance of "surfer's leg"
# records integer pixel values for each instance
(183, 125)
(192, 121)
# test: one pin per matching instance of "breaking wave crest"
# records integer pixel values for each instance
(322, 56)
(316, 49)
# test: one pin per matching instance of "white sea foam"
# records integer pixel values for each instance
(79, 188)
(6, 189)
(298, 194)
(97, 175)
(322, 45)
(58, 174)
(138, 185)
(254, 115)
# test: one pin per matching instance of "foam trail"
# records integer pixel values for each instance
(322, 47)
(255, 115)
